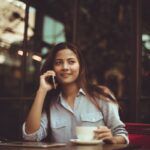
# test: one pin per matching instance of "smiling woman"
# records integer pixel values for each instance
(56, 112)
(66, 68)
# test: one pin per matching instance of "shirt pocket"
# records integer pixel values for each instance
(59, 129)
(92, 119)
(58, 123)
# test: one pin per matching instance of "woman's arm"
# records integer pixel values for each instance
(114, 131)
(33, 120)
(34, 117)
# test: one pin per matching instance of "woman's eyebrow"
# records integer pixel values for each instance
(72, 58)
(65, 58)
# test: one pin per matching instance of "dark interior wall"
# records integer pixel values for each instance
(12, 116)
(10, 119)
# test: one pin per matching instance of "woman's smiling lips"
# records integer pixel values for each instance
(65, 75)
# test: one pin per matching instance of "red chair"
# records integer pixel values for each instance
(139, 134)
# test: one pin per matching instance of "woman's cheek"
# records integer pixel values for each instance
(76, 69)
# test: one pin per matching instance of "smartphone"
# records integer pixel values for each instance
(52, 80)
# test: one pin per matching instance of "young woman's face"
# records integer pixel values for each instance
(66, 66)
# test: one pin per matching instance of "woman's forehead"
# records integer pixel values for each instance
(65, 53)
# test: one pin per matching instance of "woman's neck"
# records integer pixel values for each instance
(70, 91)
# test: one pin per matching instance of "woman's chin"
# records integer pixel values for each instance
(67, 83)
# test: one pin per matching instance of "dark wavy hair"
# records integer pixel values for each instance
(93, 91)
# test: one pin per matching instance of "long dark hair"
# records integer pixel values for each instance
(93, 91)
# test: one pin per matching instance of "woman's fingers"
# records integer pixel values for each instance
(44, 80)
(103, 133)
(102, 129)
(49, 73)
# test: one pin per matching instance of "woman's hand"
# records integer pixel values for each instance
(105, 134)
(44, 84)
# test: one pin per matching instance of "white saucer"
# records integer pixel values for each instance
(77, 141)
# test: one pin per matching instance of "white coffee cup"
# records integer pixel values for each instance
(85, 133)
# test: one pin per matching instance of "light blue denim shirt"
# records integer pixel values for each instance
(64, 119)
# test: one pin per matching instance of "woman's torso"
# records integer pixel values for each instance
(64, 119)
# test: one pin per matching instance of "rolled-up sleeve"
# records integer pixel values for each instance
(112, 119)
(38, 135)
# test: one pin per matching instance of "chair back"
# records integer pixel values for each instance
(139, 134)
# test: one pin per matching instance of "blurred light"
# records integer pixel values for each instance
(57, 32)
(2, 59)
(20, 52)
(17, 3)
(4, 44)
(145, 37)
(44, 51)
(20, 4)
(10, 1)
(37, 58)
(147, 45)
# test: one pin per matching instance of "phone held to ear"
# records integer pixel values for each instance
(52, 80)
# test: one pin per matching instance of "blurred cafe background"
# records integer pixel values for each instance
(114, 36)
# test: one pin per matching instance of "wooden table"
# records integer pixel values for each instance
(71, 146)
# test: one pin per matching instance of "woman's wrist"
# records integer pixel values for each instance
(42, 90)
(40, 94)
(118, 139)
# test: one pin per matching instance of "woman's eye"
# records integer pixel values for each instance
(71, 62)
(57, 63)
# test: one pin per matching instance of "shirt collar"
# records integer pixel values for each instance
(81, 92)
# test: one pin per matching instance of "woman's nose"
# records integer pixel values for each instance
(65, 66)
